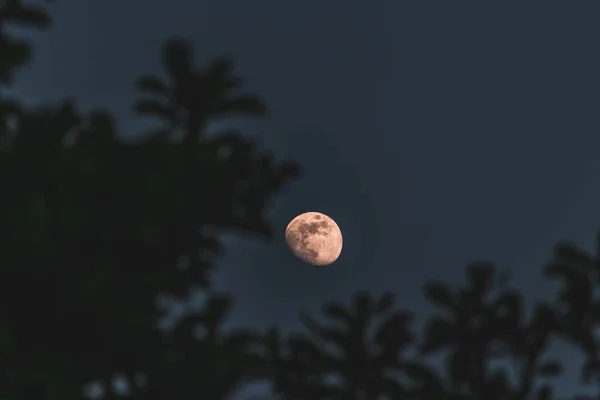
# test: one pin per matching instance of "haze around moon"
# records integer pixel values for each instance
(314, 238)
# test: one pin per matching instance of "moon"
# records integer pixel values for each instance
(314, 238)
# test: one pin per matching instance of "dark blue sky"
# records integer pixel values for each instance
(434, 133)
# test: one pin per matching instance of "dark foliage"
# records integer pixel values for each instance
(192, 97)
(94, 229)
(351, 359)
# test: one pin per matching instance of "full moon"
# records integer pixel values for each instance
(314, 238)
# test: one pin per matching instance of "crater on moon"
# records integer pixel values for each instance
(314, 238)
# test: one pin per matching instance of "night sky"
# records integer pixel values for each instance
(434, 133)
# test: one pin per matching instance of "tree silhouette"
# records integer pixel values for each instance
(485, 321)
(351, 359)
(192, 97)
(200, 358)
(579, 309)
(15, 52)
(94, 229)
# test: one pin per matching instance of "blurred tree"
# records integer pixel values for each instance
(485, 322)
(15, 53)
(577, 304)
(203, 359)
(353, 359)
(93, 229)
(192, 97)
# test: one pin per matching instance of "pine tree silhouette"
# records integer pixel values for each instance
(94, 229)
(192, 97)
(485, 321)
(356, 358)
(576, 302)
(201, 358)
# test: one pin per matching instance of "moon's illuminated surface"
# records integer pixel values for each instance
(314, 238)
